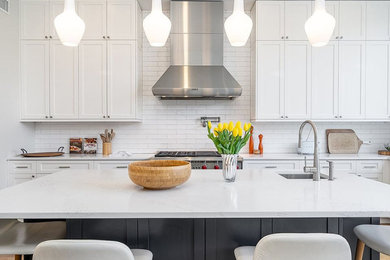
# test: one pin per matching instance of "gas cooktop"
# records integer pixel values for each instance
(187, 154)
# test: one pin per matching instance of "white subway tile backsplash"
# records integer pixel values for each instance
(175, 124)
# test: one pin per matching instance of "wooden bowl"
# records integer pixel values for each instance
(159, 174)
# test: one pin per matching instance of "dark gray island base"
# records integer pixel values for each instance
(208, 239)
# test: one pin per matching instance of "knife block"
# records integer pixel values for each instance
(107, 148)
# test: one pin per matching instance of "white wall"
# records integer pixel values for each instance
(13, 135)
(175, 125)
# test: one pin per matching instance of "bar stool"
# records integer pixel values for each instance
(376, 237)
(88, 250)
(18, 238)
(319, 246)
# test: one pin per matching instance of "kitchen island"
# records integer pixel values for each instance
(204, 218)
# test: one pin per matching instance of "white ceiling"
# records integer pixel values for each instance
(147, 4)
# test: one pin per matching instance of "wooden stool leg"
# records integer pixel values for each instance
(359, 250)
(18, 257)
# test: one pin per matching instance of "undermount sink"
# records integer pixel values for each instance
(299, 176)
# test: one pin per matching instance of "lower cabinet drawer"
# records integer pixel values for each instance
(279, 165)
(18, 178)
(110, 165)
(339, 166)
(22, 167)
(51, 167)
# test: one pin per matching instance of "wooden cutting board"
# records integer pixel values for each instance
(343, 141)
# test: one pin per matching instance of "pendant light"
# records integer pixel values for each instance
(157, 26)
(238, 25)
(319, 27)
(69, 26)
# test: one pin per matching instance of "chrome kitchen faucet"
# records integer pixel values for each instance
(315, 169)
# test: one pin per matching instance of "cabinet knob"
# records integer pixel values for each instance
(46, 117)
(108, 117)
(286, 37)
(282, 37)
(341, 37)
(108, 37)
(281, 116)
(286, 116)
(340, 117)
(51, 116)
(51, 37)
(46, 37)
(104, 37)
(104, 116)
(336, 117)
(33, 176)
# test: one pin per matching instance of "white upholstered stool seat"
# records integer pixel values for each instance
(18, 238)
(308, 246)
(88, 250)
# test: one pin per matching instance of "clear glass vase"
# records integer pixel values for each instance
(229, 167)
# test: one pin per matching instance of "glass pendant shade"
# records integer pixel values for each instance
(238, 25)
(320, 26)
(69, 26)
(157, 26)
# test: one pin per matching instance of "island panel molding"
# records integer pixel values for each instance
(338, 82)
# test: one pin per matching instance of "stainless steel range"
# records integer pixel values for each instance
(199, 159)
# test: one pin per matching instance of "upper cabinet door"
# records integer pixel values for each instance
(34, 19)
(377, 80)
(63, 81)
(269, 80)
(270, 20)
(332, 7)
(34, 79)
(378, 20)
(121, 79)
(121, 20)
(351, 79)
(296, 14)
(93, 12)
(324, 81)
(92, 80)
(297, 80)
(56, 7)
(352, 20)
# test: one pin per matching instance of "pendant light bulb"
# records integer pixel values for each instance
(157, 25)
(320, 26)
(69, 26)
(238, 25)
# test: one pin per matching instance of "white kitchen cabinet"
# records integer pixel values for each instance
(121, 18)
(324, 82)
(352, 20)
(377, 80)
(46, 167)
(269, 78)
(351, 79)
(378, 21)
(92, 80)
(111, 165)
(63, 81)
(121, 79)
(271, 164)
(296, 14)
(94, 15)
(34, 67)
(34, 19)
(297, 67)
(270, 13)
(371, 169)
(56, 8)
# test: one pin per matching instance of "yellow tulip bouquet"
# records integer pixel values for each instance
(229, 138)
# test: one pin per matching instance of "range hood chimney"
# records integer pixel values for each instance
(197, 70)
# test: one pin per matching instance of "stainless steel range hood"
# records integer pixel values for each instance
(197, 70)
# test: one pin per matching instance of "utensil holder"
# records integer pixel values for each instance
(107, 148)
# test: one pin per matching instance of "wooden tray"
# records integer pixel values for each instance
(383, 152)
(159, 174)
(44, 154)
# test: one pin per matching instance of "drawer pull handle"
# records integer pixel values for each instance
(121, 167)
(271, 167)
(63, 167)
(325, 167)
(369, 167)
(21, 167)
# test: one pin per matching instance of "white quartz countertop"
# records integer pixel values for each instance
(86, 157)
(256, 193)
(247, 157)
